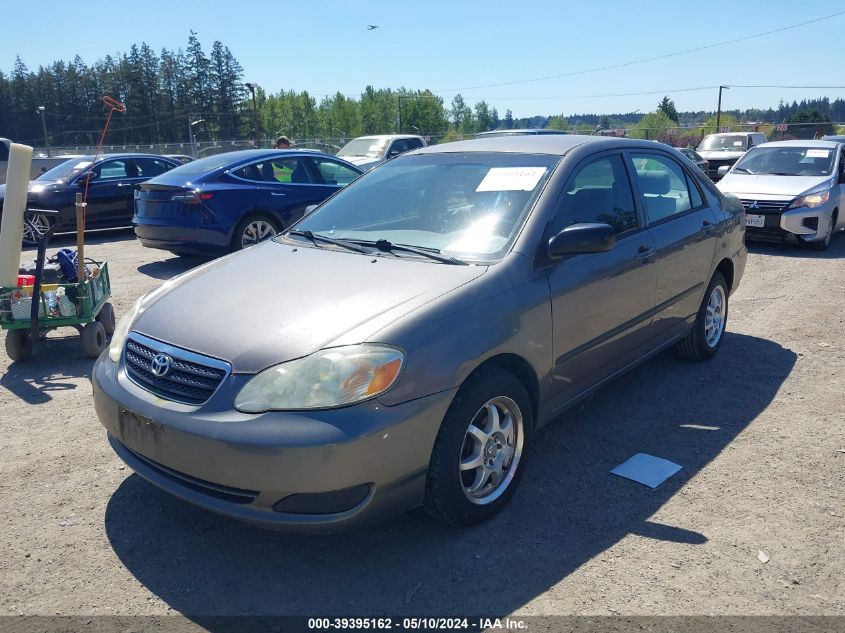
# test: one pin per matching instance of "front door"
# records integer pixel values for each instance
(110, 193)
(602, 303)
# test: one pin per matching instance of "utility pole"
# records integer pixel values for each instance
(399, 102)
(719, 109)
(251, 87)
(43, 112)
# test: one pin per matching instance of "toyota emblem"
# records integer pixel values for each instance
(161, 364)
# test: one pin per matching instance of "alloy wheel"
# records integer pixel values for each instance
(714, 318)
(257, 231)
(34, 226)
(491, 450)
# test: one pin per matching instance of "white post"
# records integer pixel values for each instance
(11, 226)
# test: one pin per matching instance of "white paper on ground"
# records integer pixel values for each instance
(646, 469)
(511, 179)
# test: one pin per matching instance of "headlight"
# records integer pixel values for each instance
(811, 200)
(329, 378)
(121, 330)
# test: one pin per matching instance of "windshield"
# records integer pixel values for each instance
(67, 169)
(787, 161)
(468, 206)
(370, 147)
(724, 142)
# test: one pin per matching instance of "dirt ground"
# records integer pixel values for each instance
(759, 432)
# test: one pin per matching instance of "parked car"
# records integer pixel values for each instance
(40, 163)
(111, 181)
(791, 190)
(519, 132)
(696, 158)
(836, 138)
(233, 200)
(368, 151)
(182, 158)
(428, 319)
(724, 149)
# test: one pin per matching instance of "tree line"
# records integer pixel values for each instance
(171, 94)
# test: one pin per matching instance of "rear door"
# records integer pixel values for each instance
(684, 231)
(286, 185)
(602, 303)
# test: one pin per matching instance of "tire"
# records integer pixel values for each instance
(448, 494)
(703, 342)
(93, 339)
(35, 225)
(823, 245)
(106, 317)
(18, 344)
(254, 229)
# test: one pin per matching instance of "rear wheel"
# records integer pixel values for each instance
(252, 230)
(18, 344)
(106, 317)
(93, 338)
(704, 340)
(34, 226)
(480, 452)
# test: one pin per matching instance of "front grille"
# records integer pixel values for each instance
(764, 206)
(218, 491)
(188, 381)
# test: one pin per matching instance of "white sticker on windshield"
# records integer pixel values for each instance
(82, 165)
(817, 153)
(511, 179)
(737, 143)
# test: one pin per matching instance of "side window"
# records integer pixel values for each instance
(400, 146)
(599, 192)
(111, 170)
(4, 152)
(414, 143)
(151, 167)
(694, 194)
(333, 173)
(664, 186)
(279, 170)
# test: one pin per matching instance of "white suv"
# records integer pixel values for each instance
(369, 151)
(721, 150)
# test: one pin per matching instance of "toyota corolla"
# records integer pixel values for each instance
(400, 345)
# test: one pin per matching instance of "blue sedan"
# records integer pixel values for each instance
(230, 201)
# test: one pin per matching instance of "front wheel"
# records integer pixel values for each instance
(704, 340)
(93, 338)
(822, 245)
(19, 344)
(35, 225)
(481, 449)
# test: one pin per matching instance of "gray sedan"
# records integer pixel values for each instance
(401, 344)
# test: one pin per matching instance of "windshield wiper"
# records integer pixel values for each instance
(316, 237)
(387, 246)
(780, 173)
(744, 170)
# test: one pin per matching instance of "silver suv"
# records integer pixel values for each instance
(368, 151)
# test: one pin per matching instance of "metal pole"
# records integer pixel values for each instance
(80, 238)
(257, 120)
(719, 109)
(42, 110)
(191, 137)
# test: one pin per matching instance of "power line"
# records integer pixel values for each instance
(647, 59)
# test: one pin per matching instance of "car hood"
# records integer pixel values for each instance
(275, 302)
(719, 154)
(361, 161)
(780, 186)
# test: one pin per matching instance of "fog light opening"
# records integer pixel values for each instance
(323, 502)
(811, 223)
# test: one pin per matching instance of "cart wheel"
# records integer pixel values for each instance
(19, 344)
(93, 338)
(106, 317)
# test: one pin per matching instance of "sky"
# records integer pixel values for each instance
(456, 46)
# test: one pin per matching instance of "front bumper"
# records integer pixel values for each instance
(242, 465)
(796, 225)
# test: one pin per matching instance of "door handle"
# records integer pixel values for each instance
(126, 184)
(707, 226)
(645, 254)
(275, 193)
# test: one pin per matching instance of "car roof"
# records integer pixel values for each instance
(799, 143)
(839, 138)
(386, 136)
(552, 144)
(519, 131)
(99, 157)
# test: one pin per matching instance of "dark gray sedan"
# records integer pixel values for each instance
(400, 345)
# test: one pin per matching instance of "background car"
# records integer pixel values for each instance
(182, 158)
(725, 148)
(230, 201)
(519, 132)
(369, 151)
(791, 190)
(111, 178)
(696, 158)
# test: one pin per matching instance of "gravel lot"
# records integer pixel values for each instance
(759, 431)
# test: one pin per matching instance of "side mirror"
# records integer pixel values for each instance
(310, 208)
(393, 153)
(723, 170)
(88, 176)
(581, 238)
